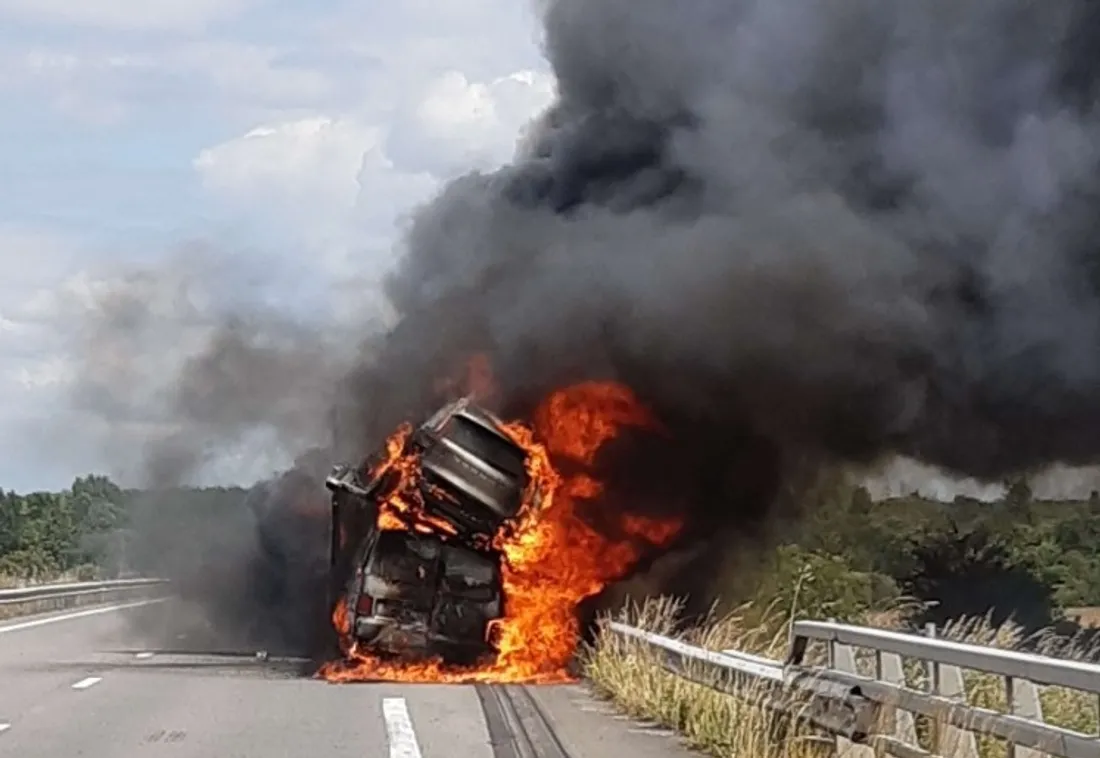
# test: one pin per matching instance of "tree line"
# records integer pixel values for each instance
(96, 529)
(1017, 556)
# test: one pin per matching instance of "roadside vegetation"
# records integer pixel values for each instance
(88, 531)
(881, 564)
(1032, 560)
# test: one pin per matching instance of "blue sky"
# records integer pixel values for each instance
(288, 137)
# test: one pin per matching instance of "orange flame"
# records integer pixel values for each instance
(553, 559)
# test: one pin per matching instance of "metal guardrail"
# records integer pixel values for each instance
(73, 592)
(874, 713)
(1039, 669)
(836, 706)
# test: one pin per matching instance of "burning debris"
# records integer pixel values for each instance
(551, 556)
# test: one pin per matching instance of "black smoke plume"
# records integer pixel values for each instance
(798, 230)
(840, 231)
(861, 228)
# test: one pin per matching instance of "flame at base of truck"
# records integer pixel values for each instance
(553, 557)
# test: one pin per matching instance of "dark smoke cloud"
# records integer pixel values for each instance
(799, 231)
(186, 372)
(190, 362)
(862, 228)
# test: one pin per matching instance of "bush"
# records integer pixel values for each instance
(998, 580)
(820, 586)
(88, 572)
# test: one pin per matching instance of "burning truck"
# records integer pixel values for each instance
(462, 550)
(423, 579)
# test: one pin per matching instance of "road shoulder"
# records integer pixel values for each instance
(589, 727)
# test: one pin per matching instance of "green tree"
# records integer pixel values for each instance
(99, 508)
(861, 503)
(1018, 499)
(816, 585)
(43, 533)
(978, 571)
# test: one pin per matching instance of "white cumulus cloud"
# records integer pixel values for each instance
(458, 124)
(341, 184)
(126, 14)
(298, 143)
(309, 160)
(107, 83)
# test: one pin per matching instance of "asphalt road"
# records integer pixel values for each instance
(113, 684)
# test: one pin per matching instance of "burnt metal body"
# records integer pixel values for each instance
(414, 595)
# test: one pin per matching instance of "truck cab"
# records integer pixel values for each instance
(411, 594)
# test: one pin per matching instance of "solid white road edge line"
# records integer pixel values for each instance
(84, 684)
(399, 728)
(77, 614)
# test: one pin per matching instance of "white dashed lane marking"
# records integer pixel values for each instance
(143, 656)
(399, 728)
(4, 728)
(84, 684)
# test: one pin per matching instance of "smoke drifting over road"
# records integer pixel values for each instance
(847, 230)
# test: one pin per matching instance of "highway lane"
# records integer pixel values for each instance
(40, 655)
(100, 685)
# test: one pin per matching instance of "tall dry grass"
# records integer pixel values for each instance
(738, 724)
(628, 672)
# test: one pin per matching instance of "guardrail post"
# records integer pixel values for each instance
(951, 741)
(901, 723)
(932, 680)
(1022, 697)
(948, 740)
(954, 723)
(843, 659)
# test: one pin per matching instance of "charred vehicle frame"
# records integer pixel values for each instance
(412, 593)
